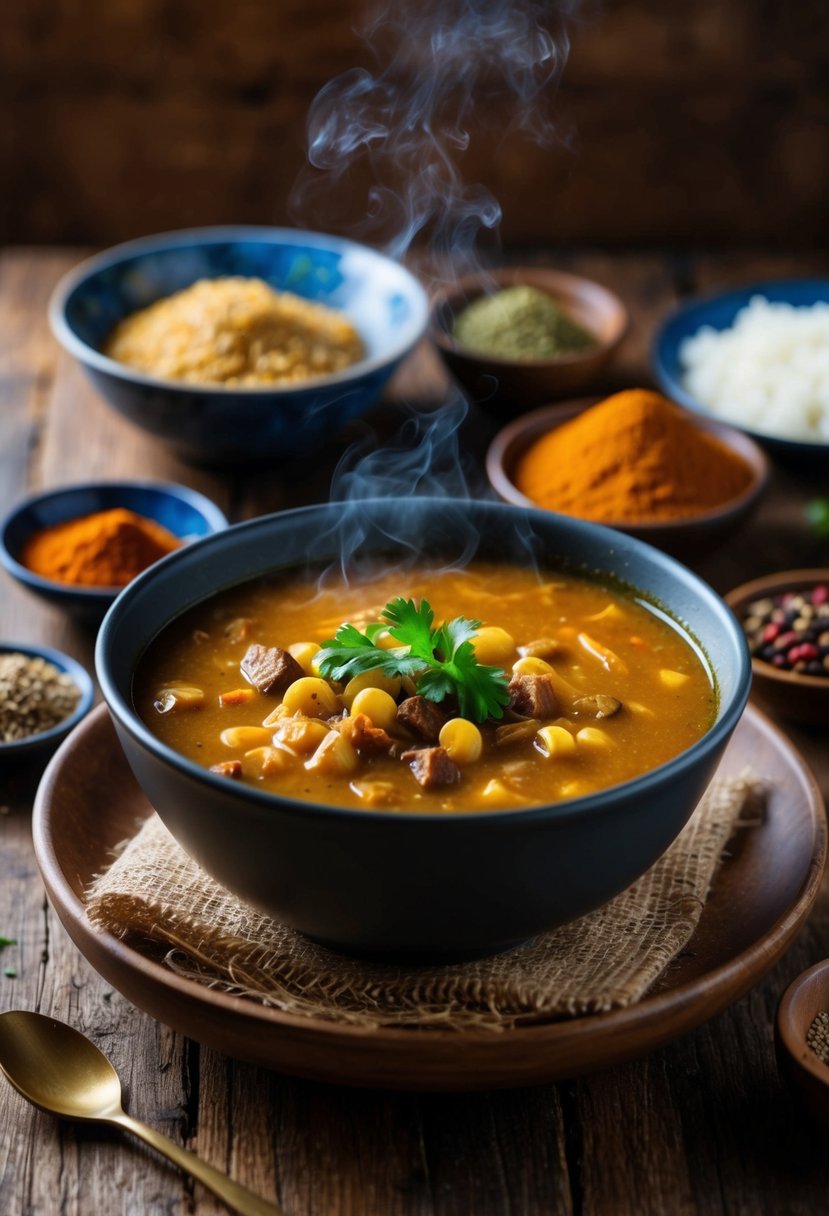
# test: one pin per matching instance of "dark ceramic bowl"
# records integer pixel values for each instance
(408, 883)
(184, 512)
(39, 746)
(719, 312)
(800, 1067)
(511, 386)
(790, 694)
(220, 425)
(682, 537)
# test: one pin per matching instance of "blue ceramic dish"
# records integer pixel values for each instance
(405, 883)
(225, 425)
(182, 511)
(719, 312)
(39, 746)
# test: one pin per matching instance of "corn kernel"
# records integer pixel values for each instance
(493, 646)
(672, 679)
(377, 705)
(312, 697)
(591, 736)
(334, 755)
(370, 679)
(556, 741)
(462, 740)
(245, 737)
(531, 666)
(178, 697)
(304, 653)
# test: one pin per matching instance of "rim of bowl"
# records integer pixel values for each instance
(213, 514)
(513, 276)
(532, 426)
(789, 1026)
(80, 678)
(674, 386)
(598, 803)
(772, 584)
(216, 235)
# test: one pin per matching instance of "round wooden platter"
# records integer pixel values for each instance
(89, 801)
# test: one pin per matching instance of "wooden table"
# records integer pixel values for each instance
(701, 1126)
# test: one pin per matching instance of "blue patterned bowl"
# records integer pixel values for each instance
(182, 511)
(219, 425)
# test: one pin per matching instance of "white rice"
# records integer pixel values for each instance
(769, 372)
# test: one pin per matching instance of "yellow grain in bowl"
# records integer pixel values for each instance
(235, 332)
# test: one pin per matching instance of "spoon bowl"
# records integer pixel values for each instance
(59, 1070)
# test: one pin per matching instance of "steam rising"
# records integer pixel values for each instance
(402, 131)
(409, 122)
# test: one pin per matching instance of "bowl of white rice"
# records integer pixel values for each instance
(757, 358)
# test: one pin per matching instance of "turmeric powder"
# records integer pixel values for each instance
(107, 549)
(633, 458)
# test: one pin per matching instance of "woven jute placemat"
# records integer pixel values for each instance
(153, 893)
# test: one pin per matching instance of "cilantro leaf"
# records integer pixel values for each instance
(7, 941)
(441, 660)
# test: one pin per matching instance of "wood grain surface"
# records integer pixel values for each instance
(673, 124)
(701, 1126)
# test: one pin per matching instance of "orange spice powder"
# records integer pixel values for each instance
(107, 549)
(633, 458)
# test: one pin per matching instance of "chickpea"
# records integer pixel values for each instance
(376, 704)
(246, 737)
(494, 647)
(311, 696)
(556, 741)
(304, 653)
(531, 666)
(370, 679)
(462, 740)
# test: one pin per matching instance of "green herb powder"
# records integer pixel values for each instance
(520, 323)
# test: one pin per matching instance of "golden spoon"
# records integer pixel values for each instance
(59, 1070)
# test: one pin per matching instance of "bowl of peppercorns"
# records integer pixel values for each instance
(786, 621)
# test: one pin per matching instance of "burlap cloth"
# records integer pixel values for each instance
(154, 895)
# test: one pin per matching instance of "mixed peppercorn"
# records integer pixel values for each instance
(790, 631)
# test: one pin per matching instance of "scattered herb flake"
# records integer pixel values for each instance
(10, 972)
(817, 513)
(7, 941)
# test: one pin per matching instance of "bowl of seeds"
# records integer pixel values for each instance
(802, 1038)
(43, 695)
(786, 621)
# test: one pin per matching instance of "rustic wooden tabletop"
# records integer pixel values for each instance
(701, 1126)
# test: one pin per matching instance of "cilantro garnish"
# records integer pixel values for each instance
(7, 941)
(441, 661)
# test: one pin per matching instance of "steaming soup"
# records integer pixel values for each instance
(575, 687)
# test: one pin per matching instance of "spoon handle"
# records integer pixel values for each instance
(230, 1192)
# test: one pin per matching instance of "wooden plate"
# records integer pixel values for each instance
(88, 801)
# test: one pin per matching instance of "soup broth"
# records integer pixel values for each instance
(602, 687)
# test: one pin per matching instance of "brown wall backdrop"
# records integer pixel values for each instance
(688, 122)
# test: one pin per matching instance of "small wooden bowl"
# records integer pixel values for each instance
(787, 693)
(510, 386)
(800, 1067)
(682, 537)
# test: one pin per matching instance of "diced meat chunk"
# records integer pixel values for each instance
(365, 736)
(598, 705)
(228, 768)
(270, 669)
(422, 717)
(533, 696)
(432, 766)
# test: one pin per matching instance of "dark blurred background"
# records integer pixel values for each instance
(698, 123)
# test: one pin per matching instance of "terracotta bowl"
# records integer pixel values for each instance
(799, 1066)
(510, 386)
(788, 693)
(682, 537)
